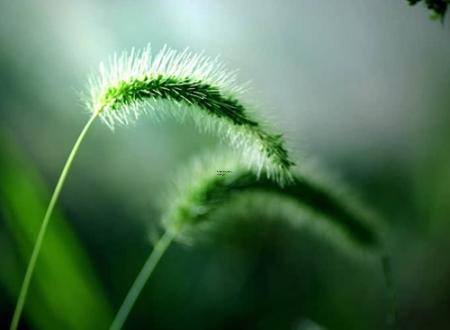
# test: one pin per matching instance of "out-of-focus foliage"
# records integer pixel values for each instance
(439, 7)
(65, 292)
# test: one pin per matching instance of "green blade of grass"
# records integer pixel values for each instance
(65, 293)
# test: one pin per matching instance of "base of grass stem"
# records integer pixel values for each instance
(48, 213)
(141, 279)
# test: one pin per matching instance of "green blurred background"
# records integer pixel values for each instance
(362, 86)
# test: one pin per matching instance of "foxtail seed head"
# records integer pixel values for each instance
(211, 182)
(186, 85)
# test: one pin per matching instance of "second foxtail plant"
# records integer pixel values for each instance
(203, 189)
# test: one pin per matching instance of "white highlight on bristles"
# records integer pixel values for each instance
(137, 64)
(140, 64)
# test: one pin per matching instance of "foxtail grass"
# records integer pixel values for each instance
(209, 183)
(179, 85)
(187, 85)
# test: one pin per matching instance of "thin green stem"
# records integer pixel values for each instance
(142, 279)
(43, 229)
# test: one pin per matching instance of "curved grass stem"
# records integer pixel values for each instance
(37, 246)
(141, 279)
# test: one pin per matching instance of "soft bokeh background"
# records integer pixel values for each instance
(362, 86)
